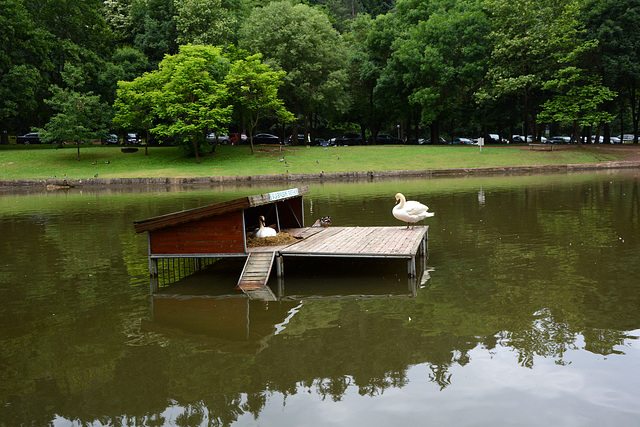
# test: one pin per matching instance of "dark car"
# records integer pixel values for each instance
(302, 139)
(29, 138)
(132, 138)
(349, 139)
(265, 138)
(110, 138)
(462, 141)
(559, 140)
(383, 138)
(441, 140)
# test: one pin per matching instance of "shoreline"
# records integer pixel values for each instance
(60, 183)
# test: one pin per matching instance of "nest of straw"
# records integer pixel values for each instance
(278, 240)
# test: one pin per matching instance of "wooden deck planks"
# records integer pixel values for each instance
(360, 241)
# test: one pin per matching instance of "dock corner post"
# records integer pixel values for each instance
(153, 274)
(411, 264)
(279, 266)
(413, 286)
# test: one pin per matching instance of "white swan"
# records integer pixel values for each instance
(411, 211)
(264, 231)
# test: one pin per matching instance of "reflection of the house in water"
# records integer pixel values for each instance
(206, 306)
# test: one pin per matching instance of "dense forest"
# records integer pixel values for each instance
(416, 68)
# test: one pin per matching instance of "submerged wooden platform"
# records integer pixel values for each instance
(255, 274)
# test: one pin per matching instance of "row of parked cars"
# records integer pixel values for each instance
(351, 138)
(112, 138)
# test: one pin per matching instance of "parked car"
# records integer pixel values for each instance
(222, 139)
(441, 140)
(614, 140)
(462, 141)
(321, 142)
(384, 138)
(110, 138)
(233, 137)
(351, 138)
(559, 140)
(132, 138)
(494, 138)
(302, 139)
(266, 138)
(29, 138)
(627, 138)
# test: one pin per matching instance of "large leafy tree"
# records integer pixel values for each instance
(135, 105)
(204, 22)
(527, 36)
(301, 41)
(191, 96)
(439, 58)
(369, 43)
(154, 29)
(80, 115)
(126, 64)
(38, 38)
(253, 86)
(24, 57)
(614, 24)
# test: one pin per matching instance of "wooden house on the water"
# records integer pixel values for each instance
(184, 242)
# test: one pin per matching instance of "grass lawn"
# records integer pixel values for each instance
(19, 162)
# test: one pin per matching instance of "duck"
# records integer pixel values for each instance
(264, 231)
(410, 211)
(325, 221)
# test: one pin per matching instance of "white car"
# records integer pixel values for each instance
(222, 138)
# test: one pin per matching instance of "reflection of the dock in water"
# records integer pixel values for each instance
(207, 308)
(233, 324)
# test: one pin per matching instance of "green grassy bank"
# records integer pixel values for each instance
(109, 162)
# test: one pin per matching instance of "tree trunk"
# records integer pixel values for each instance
(634, 112)
(146, 142)
(195, 147)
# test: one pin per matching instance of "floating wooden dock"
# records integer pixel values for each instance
(184, 242)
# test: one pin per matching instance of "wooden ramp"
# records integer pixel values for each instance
(253, 280)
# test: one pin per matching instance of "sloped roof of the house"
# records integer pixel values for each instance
(195, 214)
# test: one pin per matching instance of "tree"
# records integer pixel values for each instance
(578, 96)
(369, 51)
(204, 22)
(191, 95)
(134, 104)
(80, 116)
(527, 35)
(439, 59)
(154, 28)
(24, 66)
(614, 24)
(254, 88)
(126, 64)
(301, 41)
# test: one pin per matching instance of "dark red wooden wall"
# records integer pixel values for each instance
(215, 234)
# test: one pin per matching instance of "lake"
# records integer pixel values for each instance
(526, 313)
